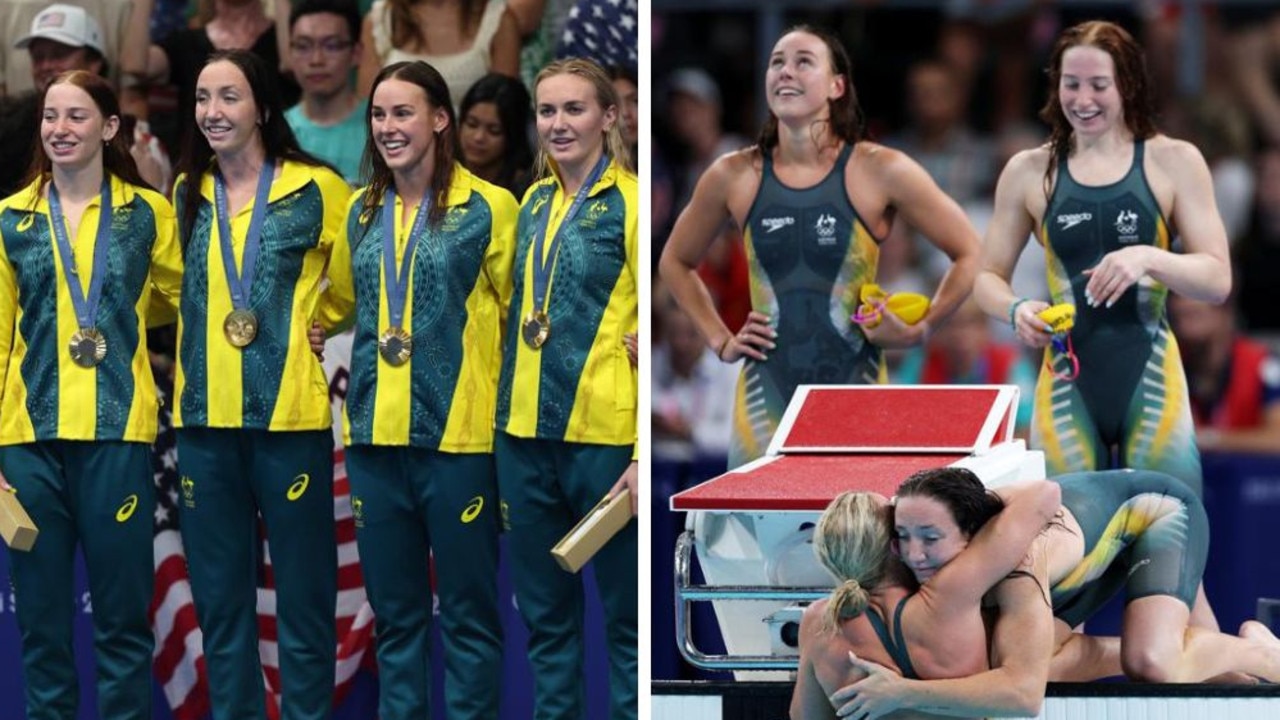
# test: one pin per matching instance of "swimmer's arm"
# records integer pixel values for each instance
(924, 206)
(884, 691)
(1014, 687)
(1010, 226)
(690, 238)
(1203, 270)
(808, 701)
(996, 549)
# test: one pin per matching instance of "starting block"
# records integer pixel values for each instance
(752, 527)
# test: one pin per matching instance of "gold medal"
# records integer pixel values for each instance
(535, 329)
(240, 327)
(88, 347)
(395, 346)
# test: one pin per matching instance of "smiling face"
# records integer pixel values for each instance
(226, 111)
(571, 121)
(403, 124)
(72, 127)
(800, 80)
(1088, 92)
(927, 535)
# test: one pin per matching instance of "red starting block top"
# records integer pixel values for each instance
(805, 482)
(887, 418)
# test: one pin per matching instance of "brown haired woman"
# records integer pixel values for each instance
(1105, 197)
(814, 200)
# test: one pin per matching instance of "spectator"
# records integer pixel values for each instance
(991, 47)
(16, 17)
(628, 88)
(540, 23)
(178, 59)
(692, 393)
(1257, 252)
(694, 111)
(329, 122)
(463, 39)
(1234, 382)
(495, 132)
(958, 159)
(1253, 48)
(67, 37)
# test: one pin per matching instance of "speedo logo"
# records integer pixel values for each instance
(472, 510)
(298, 487)
(771, 224)
(1073, 219)
(126, 510)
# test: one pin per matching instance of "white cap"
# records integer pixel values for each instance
(66, 24)
(695, 82)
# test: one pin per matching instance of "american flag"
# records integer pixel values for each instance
(603, 30)
(179, 655)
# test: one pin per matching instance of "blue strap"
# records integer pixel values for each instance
(241, 284)
(86, 308)
(542, 264)
(397, 281)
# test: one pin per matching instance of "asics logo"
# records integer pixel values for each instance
(298, 487)
(472, 510)
(771, 224)
(126, 510)
(1073, 219)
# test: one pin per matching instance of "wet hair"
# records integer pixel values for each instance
(116, 159)
(970, 503)
(278, 139)
(514, 107)
(1132, 83)
(606, 95)
(845, 114)
(436, 90)
(345, 9)
(852, 541)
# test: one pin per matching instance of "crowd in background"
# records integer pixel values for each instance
(152, 50)
(957, 88)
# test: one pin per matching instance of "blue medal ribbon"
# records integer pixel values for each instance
(543, 264)
(86, 308)
(241, 283)
(398, 282)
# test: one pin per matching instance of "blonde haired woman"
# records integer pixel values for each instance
(567, 394)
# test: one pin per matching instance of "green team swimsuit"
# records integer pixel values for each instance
(1131, 391)
(809, 254)
(1144, 531)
